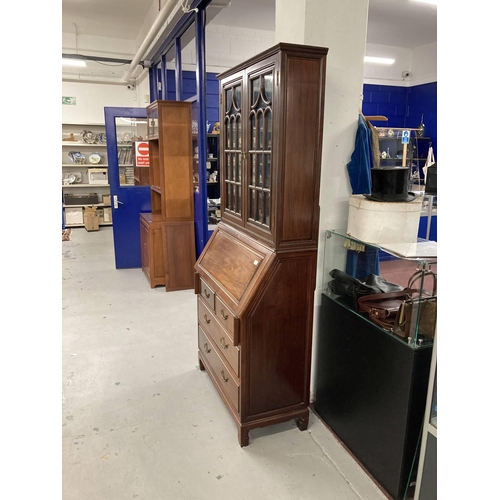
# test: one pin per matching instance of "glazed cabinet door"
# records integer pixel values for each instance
(231, 149)
(247, 141)
(259, 149)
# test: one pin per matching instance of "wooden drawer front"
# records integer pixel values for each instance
(218, 369)
(227, 320)
(219, 337)
(207, 294)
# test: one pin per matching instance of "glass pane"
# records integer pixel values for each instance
(228, 186)
(267, 171)
(238, 132)
(255, 91)
(188, 58)
(233, 136)
(258, 216)
(266, 209)
(253, 170)
(268, 128)
(259, 176)
(268, 87)
(228, 134)
(238, 168)
(253, 132)
(260, 127)
(133, 153)
(237, 97)
(238, 199)
(228, 166)
(229, 99)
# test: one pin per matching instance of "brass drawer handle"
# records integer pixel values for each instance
(207, 321)
(207, 295)
(223, 344)
(205, 346)
(222, 315)
(224, 376)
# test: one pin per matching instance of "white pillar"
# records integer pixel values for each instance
(341, 26)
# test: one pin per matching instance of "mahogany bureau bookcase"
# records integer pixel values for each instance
(256, 276)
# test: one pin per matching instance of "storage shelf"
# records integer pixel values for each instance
(83, 225)
(89, 165)
(85, 185)
(87, 205)
(83, 144)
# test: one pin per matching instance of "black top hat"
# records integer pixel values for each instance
(390, 184)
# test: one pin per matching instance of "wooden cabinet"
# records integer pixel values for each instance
(152, 249)
(171, 185)
(256, 276)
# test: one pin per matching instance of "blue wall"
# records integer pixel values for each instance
(404, 107)
(189, 90)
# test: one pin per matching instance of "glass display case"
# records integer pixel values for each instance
(372, 375)
(402, 264)
(403, 147)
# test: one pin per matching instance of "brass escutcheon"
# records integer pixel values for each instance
(224, 376)
(205, 346)
(207, 321)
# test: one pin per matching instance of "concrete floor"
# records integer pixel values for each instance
(140, 420)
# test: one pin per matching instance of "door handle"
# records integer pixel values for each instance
(115, 201)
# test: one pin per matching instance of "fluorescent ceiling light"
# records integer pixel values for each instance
(73, 62)
(379, 60)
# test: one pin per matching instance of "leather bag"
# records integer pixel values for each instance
(383, 308)
(347, 286)
(418, 313)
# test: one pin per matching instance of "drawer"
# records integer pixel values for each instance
(207, 294)
(218, 336)
(227, 319)
(218, 369)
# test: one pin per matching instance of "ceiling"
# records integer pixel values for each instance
(399, 23)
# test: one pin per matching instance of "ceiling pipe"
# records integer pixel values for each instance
(91, 79)
(165, 11)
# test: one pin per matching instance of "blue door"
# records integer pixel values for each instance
(128, 173)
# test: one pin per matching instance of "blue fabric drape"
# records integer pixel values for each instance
(361, 160)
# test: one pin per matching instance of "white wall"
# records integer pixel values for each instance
(225, 47)
(91, 98)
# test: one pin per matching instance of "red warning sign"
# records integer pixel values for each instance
(142, 154)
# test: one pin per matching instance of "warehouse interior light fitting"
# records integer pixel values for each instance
(73, 62)
(379, 60)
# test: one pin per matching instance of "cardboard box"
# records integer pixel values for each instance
(380, 222)
(91, 219)
(106, 199)
(100, 215)
(73, 215)
(107, 214)
(98, 175)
